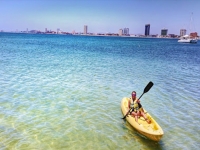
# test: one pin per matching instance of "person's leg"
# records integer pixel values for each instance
(135, 115)
(145, 117)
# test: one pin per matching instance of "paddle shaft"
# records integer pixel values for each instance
(146, 89)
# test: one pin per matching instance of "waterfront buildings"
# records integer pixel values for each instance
(194, 34)
(183, 32)
(120, 32)
(126, 31)
(172, 35)
(123, 32)
(164, 32)
(147, 30)
(85, 29)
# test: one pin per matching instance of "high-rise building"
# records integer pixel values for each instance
(147, 29)
(120, 32)
(85, 29)
(183, 32)
(46, 30)
(126, 31)
(164, 32)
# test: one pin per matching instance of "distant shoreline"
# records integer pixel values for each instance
(140, 36)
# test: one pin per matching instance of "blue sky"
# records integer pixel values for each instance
(101, 16)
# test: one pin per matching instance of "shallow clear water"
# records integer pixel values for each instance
(64, 92)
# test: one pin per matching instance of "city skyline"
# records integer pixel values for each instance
(121, 32)
(100, 16)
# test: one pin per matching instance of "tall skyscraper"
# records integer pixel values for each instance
(183, 32)
(164, 32)
(126, 31)
(85, 29)
(147, 29)
(120, 32)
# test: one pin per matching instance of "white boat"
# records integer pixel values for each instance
(187, 39)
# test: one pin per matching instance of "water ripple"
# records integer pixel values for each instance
(64, 92)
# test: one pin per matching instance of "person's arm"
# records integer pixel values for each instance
(129, 104)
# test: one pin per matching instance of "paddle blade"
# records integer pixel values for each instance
(148, 87)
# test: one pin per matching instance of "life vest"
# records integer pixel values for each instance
(134, 105)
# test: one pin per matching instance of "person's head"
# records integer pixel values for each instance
(133, 94)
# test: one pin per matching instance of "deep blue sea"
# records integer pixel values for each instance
(64, 92)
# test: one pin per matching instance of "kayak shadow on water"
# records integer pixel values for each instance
(152, 145)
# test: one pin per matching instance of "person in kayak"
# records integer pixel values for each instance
(136, 108)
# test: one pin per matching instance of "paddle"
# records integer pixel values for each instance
(146, 89)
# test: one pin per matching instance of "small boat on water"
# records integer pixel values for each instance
(187, 39)
(152, 131)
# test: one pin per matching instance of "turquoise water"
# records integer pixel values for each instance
(64, 92)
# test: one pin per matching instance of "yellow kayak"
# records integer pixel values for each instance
(152, 131)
